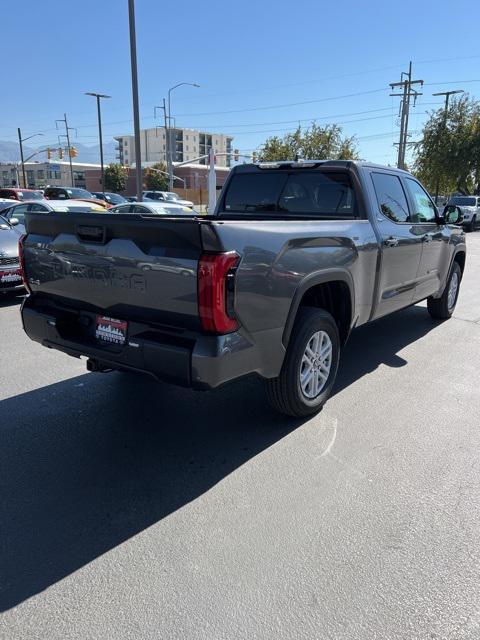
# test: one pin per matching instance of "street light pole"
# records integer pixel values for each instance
(136, 111)
(99, 96)
(169, 134)
(447, 95)
(21, 141)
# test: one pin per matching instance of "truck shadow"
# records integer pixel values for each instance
(10, 299)
(87, 463)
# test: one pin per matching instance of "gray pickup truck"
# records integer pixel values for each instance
(296, 255)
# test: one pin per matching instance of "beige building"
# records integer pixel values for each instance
(189, 144)
(40, 174)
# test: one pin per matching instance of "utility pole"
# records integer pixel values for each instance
(21, 141)
(406, 83)
(166, 130)
(447, 95)
(136, 111)
(67, 136)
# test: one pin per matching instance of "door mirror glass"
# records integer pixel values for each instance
(453, 214)
(14, 221)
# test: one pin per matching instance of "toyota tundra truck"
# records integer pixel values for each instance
(295, 256)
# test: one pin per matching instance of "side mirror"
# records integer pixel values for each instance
(452, 214)
(14, 221)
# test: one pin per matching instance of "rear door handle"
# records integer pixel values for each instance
(391, 242)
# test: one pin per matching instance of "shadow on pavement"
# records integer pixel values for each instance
(10, 299)
(87, 463)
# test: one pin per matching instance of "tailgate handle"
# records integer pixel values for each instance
(90, 233)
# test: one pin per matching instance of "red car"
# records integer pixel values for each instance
(21, 194)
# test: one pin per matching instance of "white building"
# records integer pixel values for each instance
(40, 174)
(189, 144)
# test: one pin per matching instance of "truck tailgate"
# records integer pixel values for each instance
(122, 265)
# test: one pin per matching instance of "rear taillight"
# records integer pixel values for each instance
(21, 256)
(216, 291)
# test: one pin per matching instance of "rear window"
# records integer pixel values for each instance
(313, 193)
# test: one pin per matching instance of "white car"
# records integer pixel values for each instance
(167, 196)
(160, 208)
(470, 206)
(15, 214)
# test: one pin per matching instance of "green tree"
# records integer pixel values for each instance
(448, 155)
(326, 143)
(116, 178)
(156, 178)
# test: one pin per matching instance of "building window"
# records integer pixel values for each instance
(125, 143)
(40, 174)
(186, 137)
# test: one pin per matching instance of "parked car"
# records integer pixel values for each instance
(470, 207)
(10, 274)
(111, 198)
(15, 214)
(67, 193)
(161, 208)
(21, 194)
(167, 196)
(295, 256)
(135, 199)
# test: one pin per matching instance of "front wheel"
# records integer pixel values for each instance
(473, 224)
(310, 366)
(442, 308)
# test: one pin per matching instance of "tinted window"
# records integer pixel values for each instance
(253, 192)
(424, 210)
(125, 208)
(323, 194)
(318, 193)
(37, 207)
(391, 197)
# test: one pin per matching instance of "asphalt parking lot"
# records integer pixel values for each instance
(131, 509)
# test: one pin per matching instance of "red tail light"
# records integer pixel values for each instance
(215, 291)
(21, 256)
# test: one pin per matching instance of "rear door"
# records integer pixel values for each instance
(401, 244)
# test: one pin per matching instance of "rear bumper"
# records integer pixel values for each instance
(201, 362)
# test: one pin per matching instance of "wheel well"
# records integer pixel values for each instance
(460, 259)
(335, 298)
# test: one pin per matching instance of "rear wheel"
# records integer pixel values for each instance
(473, 224)
(443, 307)
(310, 366)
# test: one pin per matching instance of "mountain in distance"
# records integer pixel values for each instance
(10, 152)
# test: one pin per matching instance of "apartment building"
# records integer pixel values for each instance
(188, 144)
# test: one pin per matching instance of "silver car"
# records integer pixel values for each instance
(157, 208)
(167, 196)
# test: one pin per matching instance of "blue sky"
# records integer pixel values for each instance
(263, 66)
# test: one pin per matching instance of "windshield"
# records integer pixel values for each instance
(30, 195)
(114, 198)
(79, 193)
(172, 196)
(463, 201)
(316, 193)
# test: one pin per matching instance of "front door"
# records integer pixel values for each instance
(401, 245)
(435, 240)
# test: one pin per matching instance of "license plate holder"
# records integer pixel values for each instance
(111, 330)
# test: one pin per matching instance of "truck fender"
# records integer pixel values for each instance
(312, 280)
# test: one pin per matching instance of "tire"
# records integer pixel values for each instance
(285, 393)
(473, 224)
(441, 308)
